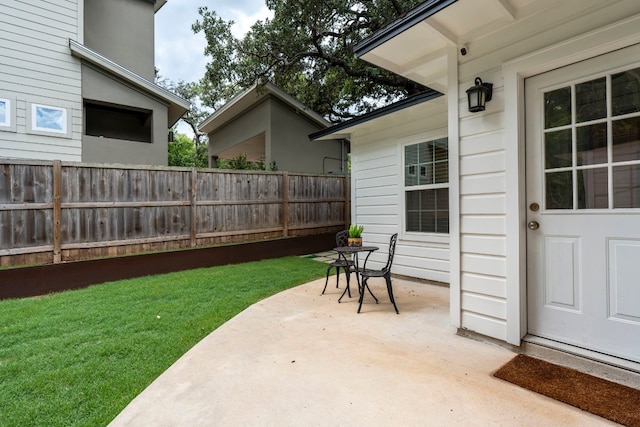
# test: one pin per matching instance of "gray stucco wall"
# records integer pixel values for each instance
(286, 138)
(98, 86)
(290, 145)
(123, 31)
(247, 125)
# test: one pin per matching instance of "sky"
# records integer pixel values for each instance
(178, 51)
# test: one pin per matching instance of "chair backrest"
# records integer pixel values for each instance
(392, 251)
(342, 238)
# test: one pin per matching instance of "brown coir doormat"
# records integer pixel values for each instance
(607, 399)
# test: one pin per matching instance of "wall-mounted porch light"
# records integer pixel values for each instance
(479, 95)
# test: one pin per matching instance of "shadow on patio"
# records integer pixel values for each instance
(299, 358)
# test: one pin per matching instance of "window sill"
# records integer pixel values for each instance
(439, 238)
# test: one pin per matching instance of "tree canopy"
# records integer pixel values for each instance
(183, 152)
(307, 50)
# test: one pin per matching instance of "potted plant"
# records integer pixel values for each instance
(355, 235)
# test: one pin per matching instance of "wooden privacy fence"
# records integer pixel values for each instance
(52, 212)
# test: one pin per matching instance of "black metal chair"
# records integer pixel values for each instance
(342, 238)
(384, 272)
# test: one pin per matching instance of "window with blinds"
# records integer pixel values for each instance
(426, 185)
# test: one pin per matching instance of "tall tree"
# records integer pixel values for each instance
(183, 152)
(306, 49)
(191, 92)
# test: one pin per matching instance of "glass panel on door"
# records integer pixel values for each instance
(592, 144)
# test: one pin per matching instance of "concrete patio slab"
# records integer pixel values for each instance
(301, 359)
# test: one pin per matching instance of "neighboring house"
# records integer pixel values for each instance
(268, 125)
(544, 185)
(76, 82)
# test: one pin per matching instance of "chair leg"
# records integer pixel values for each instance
(390, 290)
(364, 283)
(364, 286)
(348, 274)
(326, 281)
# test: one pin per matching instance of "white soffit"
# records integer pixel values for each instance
(412, 49)
(420, 52)
(432, 113)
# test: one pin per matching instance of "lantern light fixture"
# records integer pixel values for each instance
(479, 95)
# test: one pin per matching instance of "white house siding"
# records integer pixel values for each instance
(377, 194)
(485, 283)
(36, 67)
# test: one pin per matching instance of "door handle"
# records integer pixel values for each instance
(533, 225)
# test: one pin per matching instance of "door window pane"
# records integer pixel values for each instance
(559, 190)
(591, 100)
(557, 149)
(625, 92)
(626, 139)
(592, 144)
(626, 186)
(600, 128)
(557, 108)
(593, 189)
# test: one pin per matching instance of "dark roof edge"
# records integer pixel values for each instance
(419, 98)
(406, 21)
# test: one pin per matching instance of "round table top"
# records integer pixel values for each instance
(351, 249)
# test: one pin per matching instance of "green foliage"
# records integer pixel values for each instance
(240, 162)
(307, 50)
(197, 113)
(356, 230)
(183, 152)
(77, 358)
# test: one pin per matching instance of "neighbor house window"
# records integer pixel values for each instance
(5, 113)
(113, 121)
(426, 185)
(45, 118)
(48, 120)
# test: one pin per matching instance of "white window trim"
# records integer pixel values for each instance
(9, 124)
(65, 132)
(438, 238)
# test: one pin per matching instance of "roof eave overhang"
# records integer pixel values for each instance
(250, 97)
(343, 130)
(157, 4)
(412, 17)
(177, 106)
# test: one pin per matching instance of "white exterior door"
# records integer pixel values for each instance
(583, 204)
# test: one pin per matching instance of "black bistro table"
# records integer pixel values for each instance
(344, 251)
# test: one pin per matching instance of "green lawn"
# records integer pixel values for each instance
(77, 358)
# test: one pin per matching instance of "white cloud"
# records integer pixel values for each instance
(179, 53)
(244, 21)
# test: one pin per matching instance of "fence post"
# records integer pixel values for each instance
(57, 211)
(285, 203)
(194, 207)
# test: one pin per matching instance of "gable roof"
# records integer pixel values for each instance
(344, 129)
(250, 97)
(176, 105)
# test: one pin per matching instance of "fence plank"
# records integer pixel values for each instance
(63, 211)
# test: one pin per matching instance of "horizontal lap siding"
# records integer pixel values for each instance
(36, 66)
(482, 163)
(377, 193)
(483, 220)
